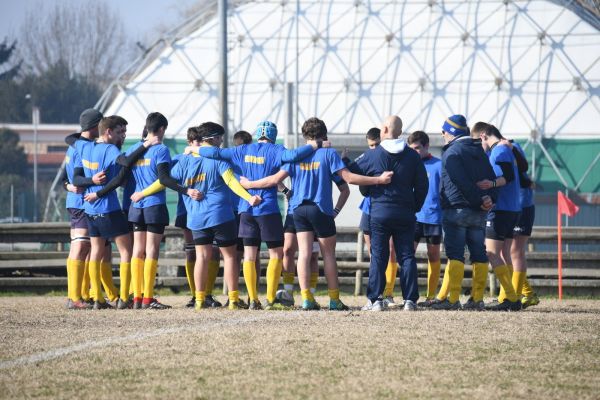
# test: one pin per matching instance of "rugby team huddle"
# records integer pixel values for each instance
(478, 195)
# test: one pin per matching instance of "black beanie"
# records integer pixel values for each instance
(89, 119)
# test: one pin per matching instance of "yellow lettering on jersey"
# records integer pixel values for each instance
(254, 159)
(310, 166)
(89, 165)
(195, 179)
(144, 162)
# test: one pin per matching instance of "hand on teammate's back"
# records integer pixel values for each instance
(386, 177)
(151, 141)
(99, 178)
(484, 184)
(255, 200)
(246, 184)
(137, 196)
(91, 197)
(75, 189)
(195, 194)
(487, 203)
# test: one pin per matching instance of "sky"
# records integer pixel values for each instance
(135, 14)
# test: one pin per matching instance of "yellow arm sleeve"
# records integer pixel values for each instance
(154, 188)
(234, 185)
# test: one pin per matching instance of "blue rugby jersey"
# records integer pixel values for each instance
(508, 195)
(180, 203)
(95, 158)
(525, 194)
(431, 212)
(73, 160)
(257, 161)
(145, 173)
(204, 174)
(312, 178)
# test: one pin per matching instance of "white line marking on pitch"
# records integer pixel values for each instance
(64, 351)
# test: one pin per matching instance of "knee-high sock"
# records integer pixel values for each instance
(70, 284)
(77, 270)
(527, 289)
(125, 277)
(200, 296)
(150, 266)
(213, 271)
(96, 280)
(443, 293)
(480, 271)
(314, 279)
(137, 272)
(273, 275)
(249, 268)
(334, 294)
(502, 294)
(107, 281)
(390, 279)
(234, 296)
(307, 295)
(456, 270)
(503, 274)
(189, 273)
(433, 277)
(288, 281)
(85, 282)
(518, 279)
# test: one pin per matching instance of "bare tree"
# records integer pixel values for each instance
(88, 36)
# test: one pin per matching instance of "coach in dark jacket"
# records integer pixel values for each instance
(464, 207)
(393, 208)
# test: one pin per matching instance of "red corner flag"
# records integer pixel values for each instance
(567, 207)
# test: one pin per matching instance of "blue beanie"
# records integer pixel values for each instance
(455, 125)
(266, 130)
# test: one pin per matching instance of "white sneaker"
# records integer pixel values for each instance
(284, 297)
(377, 305)
(410, 305)
(390, 303)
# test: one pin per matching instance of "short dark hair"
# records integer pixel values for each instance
(491, 130)
(314, 128)
(374, 134)
(208, 130)
(193, 134)
(243, 136)
(155, 121)
(419, 136)
(111, 122)
(479, 127)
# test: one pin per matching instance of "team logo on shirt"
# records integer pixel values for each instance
(89, 165)
(254, 159)
(67, 159)
(195, 179)
(310, 165)
(144, 162)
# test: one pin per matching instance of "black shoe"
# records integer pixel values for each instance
(506, 305)
(191, 303)
(446, 305)
(428, 302)
(210, 301)
(155, 305)
(124, 305)
(102, 306)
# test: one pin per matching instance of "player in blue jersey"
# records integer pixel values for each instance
(105, 216)
(429, 219)
(312, 205)
(80, 241)
(149, 215)
(258, 160)
(503, 217)
(212, 219)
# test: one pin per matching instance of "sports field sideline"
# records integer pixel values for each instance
(548, 351)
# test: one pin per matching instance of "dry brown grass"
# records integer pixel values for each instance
(550, 351)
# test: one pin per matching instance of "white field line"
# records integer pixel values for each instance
(86, 346)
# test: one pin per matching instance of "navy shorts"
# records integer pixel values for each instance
(152, 219)
(365, 224)
(525, 224)
(267, 228)
(181, 221)
(224, 235)
(500, 224)
(431, 232)
(309, 218)
(108, 225)
(240, 241)
(288, 225)
(78, 218)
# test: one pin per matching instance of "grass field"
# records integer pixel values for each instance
(549, 351)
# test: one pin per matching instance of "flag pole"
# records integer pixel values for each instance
(559, 221)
